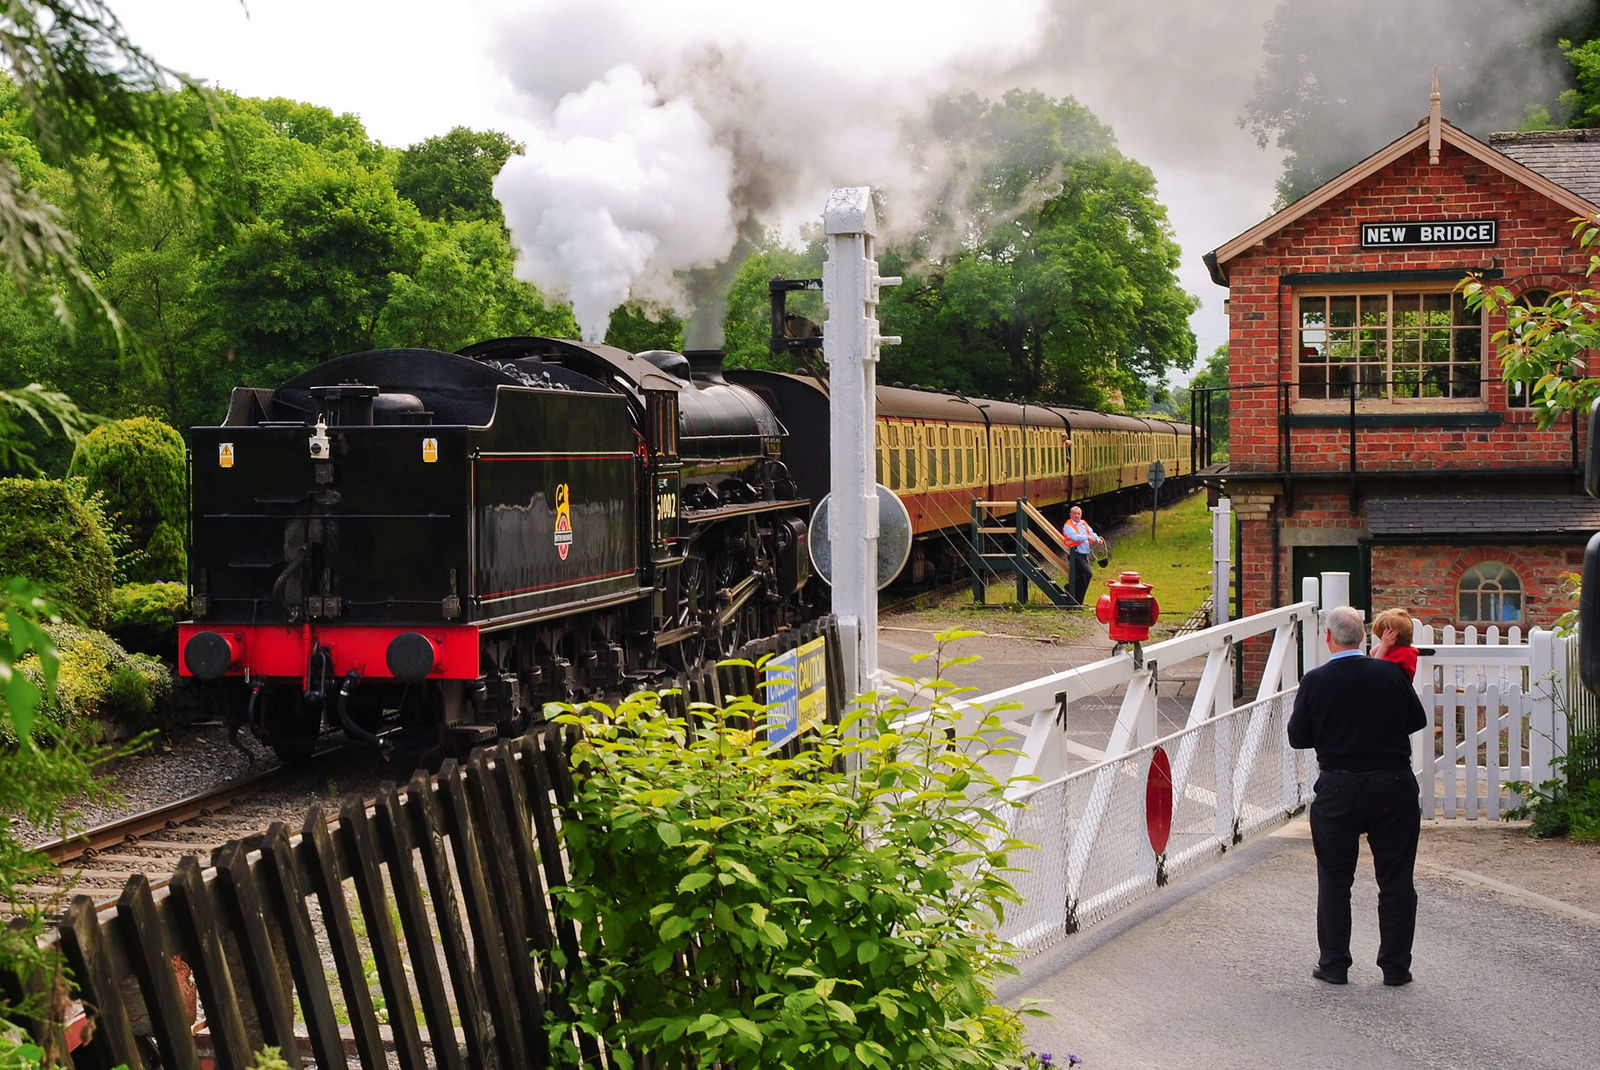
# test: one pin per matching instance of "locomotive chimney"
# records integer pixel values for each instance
(705, 365)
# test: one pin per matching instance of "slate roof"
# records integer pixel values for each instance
(1504, 517)
(1569, 158)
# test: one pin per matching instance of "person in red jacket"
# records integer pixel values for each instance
(1391, 635)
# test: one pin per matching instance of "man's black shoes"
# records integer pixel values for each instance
(1335, 977)
(1397, 978)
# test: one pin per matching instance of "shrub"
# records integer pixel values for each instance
(139, 466)
(55, 533)
(832, 918)
(1568, 805)
(97, 682)
(144, 616)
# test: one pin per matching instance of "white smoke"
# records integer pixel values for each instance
(662, 132)
(610, 199)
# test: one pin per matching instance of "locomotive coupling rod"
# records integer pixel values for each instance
(738, 595)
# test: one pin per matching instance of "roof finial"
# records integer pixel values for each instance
(1434, 120)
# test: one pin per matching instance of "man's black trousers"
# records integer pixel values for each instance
(1382, 805)
(1082, 576)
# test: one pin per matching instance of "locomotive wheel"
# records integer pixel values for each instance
(693, 596)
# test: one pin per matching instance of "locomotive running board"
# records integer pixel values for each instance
(564, 609)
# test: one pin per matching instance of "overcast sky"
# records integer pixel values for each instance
(1171, 84)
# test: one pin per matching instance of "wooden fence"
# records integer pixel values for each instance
(410, 930)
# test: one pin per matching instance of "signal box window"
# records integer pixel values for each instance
(1490, 593)
(1389, 346)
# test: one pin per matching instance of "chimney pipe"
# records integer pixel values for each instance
(705, 364)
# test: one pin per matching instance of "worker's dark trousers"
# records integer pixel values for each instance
(1384, 806)
(1082, 576)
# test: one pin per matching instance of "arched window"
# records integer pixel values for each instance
(1490, 593)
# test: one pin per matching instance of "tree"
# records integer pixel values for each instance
(308, 280)
(1062, 284)
(463, 291)
(1546, 347)
(451, 177)
(1332, 74)
(89, 92)
(1213, 379)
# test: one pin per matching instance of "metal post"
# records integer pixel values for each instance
(1221, 558)
(850, 344)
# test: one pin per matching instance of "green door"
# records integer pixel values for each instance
(1313, 561)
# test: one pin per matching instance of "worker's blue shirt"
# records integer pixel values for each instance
(1079, 535)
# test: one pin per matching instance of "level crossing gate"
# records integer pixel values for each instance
(1155, 807)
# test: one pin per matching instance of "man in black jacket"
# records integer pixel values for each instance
(1359, 712)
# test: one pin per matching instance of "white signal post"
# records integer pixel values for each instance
(850, 341)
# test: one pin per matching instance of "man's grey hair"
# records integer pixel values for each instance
(1346, 625)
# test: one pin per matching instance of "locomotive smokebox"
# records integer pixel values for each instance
(706, 364)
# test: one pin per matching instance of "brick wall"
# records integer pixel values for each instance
(1536, 249)
(1424, 579)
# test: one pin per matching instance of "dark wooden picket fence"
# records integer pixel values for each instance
(431, 902)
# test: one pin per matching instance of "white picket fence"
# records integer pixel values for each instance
(1498, 704)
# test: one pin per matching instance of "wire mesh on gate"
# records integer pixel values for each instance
(1113, 833)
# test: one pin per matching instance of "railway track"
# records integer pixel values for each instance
(98, 861)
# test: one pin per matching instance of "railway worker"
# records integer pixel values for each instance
(1081, 538)
(1359, 713)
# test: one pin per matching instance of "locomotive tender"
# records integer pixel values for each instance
(449, 540)
(461, 537)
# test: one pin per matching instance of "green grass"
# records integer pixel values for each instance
(1176, 563)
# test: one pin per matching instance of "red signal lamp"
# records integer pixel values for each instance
(1128, 608)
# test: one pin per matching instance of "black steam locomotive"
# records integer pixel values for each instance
(452, 539)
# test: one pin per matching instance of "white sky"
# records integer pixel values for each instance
(412, 70)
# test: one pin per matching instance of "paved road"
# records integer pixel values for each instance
(1216, 972)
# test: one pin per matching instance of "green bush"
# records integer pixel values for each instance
(139, 466)
(832, 918)
(1568, 805)
(97, 683)
(55, 533)
(144, 617)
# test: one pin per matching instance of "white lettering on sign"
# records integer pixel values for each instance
(1443, 232)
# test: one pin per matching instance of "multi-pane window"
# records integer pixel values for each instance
(1391, 346)
(1490, 593)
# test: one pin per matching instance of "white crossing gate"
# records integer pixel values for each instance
(1497, 702)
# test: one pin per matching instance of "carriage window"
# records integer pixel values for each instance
(882, 454)
(895, 482)
(1490, 593)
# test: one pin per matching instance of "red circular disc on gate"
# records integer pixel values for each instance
(1158, 801)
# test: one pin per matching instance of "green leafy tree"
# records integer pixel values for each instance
(90, 93)
(309, 279)
(1062, 285)
(1581, 104)
(1213, 379)
(1332, 74)
(743, 910)
(451, 177)
(1546, 347)
(637, 327)
(464, 291)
